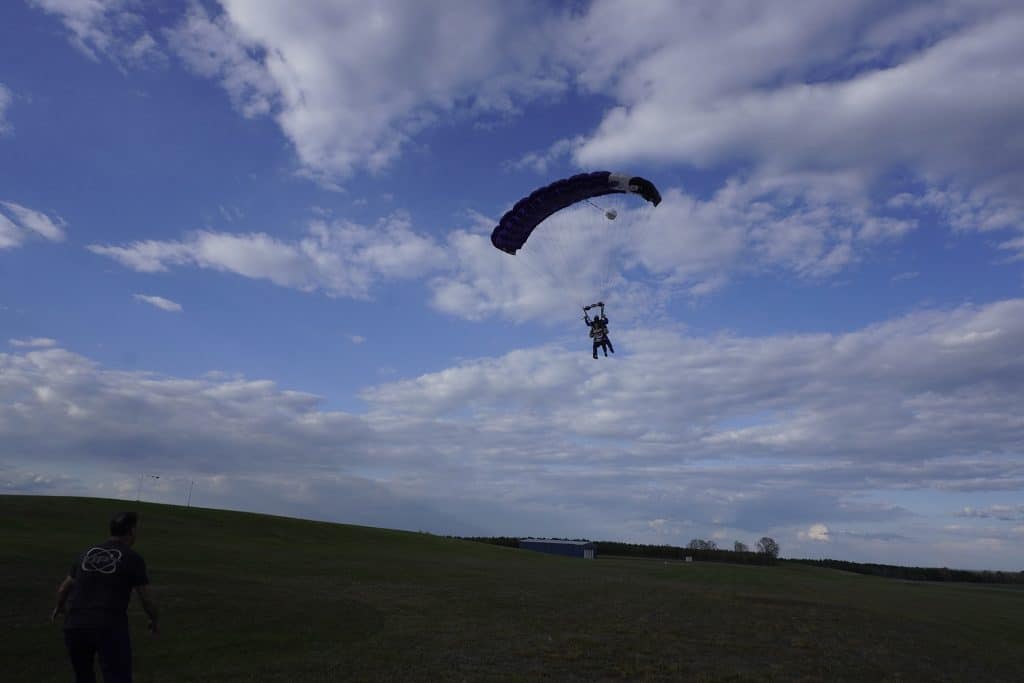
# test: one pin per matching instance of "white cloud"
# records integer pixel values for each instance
(847, 87)
(342, 259)
(978, 209)
(1006, 513)
(357, 339)
(10, 234)
(539, 162)
(213, 47)
(231, 213)
(57, 401)
(5, 101)
(844, 92)
(159, 302)
(931, 90)
(816, 532)
(759, 93)
(33, 343)
(349, 87)
(19, 223)
(22, 481)
(1016, 245)
(149, 256)
(105, 28)
(891, 393)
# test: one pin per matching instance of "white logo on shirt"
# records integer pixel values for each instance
(102, 560)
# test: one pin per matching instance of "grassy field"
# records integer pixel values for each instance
(254, 598)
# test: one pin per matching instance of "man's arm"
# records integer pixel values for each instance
(62, 595)
(150, 607)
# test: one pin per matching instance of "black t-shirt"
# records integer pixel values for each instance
(104, 575)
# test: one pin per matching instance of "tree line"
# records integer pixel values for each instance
(699, 550)
(767, 552)
(918, 573)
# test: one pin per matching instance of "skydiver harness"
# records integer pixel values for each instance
(598, 327)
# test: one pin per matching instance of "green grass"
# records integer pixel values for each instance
(255, 598)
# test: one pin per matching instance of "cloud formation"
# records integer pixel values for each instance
(1005, 513)
(929, 90)
(214, 423)
(341, 259)
(5, 102)
(831, 122)
(33, 343)
(159, 302)
(350, 87)
(816, 532)
(737, 436)
(929, 86)
(19, 224)
(111, 29)
(931, 382)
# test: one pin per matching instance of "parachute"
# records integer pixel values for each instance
(518, 223)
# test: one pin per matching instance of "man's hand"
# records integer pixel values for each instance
(150, 608)
(62, 595)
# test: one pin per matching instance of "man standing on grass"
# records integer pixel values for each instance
(97, 591)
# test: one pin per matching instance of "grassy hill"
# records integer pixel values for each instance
(248, 597)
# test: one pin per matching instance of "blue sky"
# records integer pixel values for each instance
(247, 244)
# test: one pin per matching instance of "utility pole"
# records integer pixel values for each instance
(189, 503)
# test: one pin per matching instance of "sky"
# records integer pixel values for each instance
(245, 256)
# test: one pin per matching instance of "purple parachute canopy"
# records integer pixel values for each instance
(515, 226)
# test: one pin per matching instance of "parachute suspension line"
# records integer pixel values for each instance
(549, 262)
(565, 270)
(562, 271)
(610, 214)
(535, 266)
(518, 223)
(604, 276)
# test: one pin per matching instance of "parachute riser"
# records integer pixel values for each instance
(586, 309)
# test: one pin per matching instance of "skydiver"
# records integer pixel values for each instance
(598, 329)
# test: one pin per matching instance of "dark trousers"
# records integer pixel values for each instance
(113, 645)
(605, 345)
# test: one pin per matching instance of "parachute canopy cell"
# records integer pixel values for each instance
(518, 223)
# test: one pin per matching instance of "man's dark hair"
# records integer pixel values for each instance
(123, 523)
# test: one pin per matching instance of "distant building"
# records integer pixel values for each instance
(584, 549)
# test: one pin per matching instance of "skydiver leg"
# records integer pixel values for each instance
(610, 347)
(595, 350)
